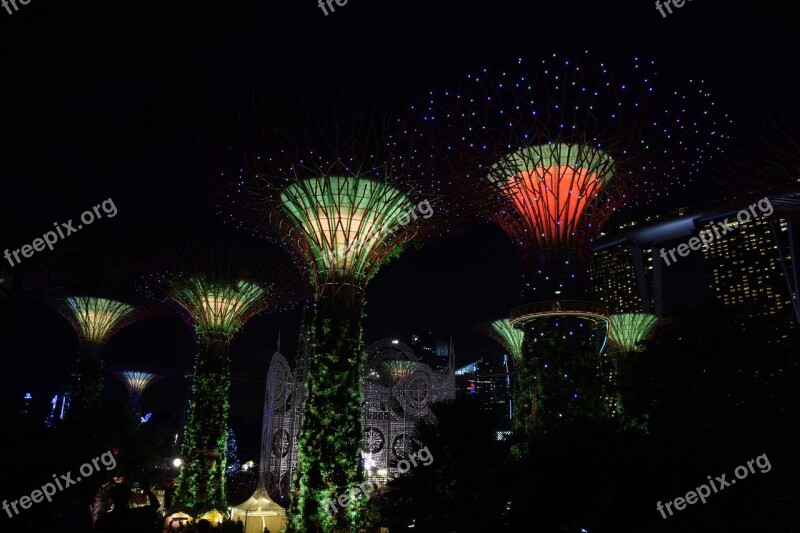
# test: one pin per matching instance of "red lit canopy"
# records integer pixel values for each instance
(552, 186)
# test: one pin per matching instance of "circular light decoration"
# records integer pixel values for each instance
(373, 440)
(413, 392)
(403, 445)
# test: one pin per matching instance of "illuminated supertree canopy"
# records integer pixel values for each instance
(551, 187)
(216, 288)
(560, 144)
(627, 330)
(557, 146)
(96, 319)
(400, 369)
(342, 197)
(218, 308)
(509, 337)
(136, 382)
(348, 223)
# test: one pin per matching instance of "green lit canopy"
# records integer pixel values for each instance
(347, 222)
(136, 382)
(627, 330)
(96, 318)
(217, 308)
(510, 338)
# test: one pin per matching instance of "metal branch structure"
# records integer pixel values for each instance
(509, 337)
(95, 319)
(557, 146)
(217, 289)
(342, 201)
(347, 224)
(627, 330)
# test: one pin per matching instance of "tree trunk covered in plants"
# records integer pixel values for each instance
(201, 482)
(563, 355)
(329, 461)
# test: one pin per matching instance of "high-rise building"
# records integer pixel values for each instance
(488, 382)
(614, 278)
(749, 266)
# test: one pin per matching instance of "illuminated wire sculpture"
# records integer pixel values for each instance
(260, 508)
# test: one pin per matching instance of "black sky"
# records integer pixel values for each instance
(93, 93)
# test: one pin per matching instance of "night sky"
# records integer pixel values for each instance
(94, 94)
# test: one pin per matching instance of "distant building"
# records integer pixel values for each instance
(748, 269)
(488, 383)
(614, 278)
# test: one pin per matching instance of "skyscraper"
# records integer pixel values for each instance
(748, 269)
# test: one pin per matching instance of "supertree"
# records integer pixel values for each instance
(217, 289)
(512, 339)
(509, 337)
(558, 146)
(343, 203)
(95, 320)
(136, 382)
(627, 330)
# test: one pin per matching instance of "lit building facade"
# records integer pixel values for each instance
(748, 269)
(489, 383)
